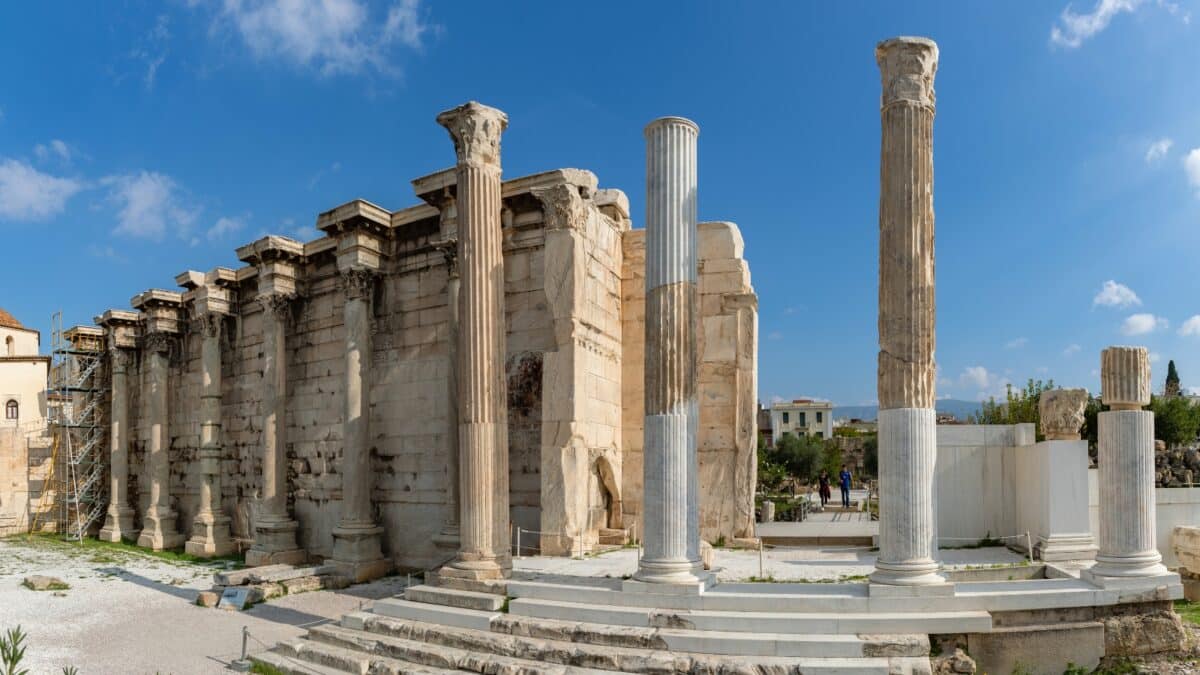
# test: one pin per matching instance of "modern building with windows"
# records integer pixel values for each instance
(802, 417)
(23, 399)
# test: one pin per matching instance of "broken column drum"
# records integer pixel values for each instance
(484, 549)
(670, 467)
(907, 421)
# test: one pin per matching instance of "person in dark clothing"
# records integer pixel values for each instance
(826, 493)
(844, 479)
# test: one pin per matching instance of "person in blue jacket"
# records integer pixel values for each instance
(844, 479)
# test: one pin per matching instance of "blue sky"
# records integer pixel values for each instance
(138, 140)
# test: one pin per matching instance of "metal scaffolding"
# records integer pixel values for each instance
(74, 406)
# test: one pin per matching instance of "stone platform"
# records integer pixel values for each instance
(556, 623)
(833, 527)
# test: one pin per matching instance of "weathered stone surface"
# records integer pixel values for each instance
(1140, 634)
(1061, 413)
(953, 664)
(207, 598)
(1186, 541)
(41, 582)
(1125, 377)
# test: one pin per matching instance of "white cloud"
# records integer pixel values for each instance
(224, 226)
(1154, 357)
(1073, 28)
(1016, 343)
(1158, 149)
(29, 194)
(334, 36)
(1113, 294)
(1191, 326)
(1193, 391)
(976, 376)
(1141, 324)
(774, 335)
(55, 148)
(1071, 349)
(149, 205)
(1191, 164)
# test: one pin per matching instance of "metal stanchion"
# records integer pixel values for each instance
(243, 664)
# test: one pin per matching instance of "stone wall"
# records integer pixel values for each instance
(574, 374)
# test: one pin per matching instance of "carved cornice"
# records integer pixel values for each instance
(158, 341)
(907, 66)
(358, 283)
(475, 129)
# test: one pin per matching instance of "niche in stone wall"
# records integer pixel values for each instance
(525, 437)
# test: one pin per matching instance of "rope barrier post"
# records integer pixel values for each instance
(518, 541)
(1029, 546)
(760, 560)
(243, 664)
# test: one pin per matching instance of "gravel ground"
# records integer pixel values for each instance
(127, 613)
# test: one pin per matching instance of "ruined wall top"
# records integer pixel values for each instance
(1125, 377)
(907, 66)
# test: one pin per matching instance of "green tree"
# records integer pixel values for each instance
(801, 456)
(1176, 420)
(871, 456)
(1172, 388)
(831, 458)
(1020, 406)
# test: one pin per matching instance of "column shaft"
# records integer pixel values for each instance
(484, 549)
(356, 540)
(449, 536)
(118, 524)
(210, 528)
(907, 421)
(670, 465)
(159, 529)
(274, 529)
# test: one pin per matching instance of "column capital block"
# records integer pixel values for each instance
(160, 310)
(907, 66)
(85, 338)
(359, 228)
(475, 129)
(1125, 377)
(277, 261)
(208, 293)
(122, 328)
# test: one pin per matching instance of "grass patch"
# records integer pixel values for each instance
(1188, 611)
(109, 552)
(260, 668)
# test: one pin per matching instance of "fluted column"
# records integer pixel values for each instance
(210, 527)
(274, 529)
(118, 524)
(907, 421)
(356, 544)
(670, 465)
(449, 536)
(1126, 458)
(159, 530)
(484, 549)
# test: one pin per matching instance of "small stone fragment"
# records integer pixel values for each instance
(207, 599)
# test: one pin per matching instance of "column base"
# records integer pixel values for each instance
(275, 544)
(210, 537)
(118, 525)
(915, 573)
(1065, 547)
(158, 531)
(357, 553)
(685, 572)
(1144, 564)
(475, 566)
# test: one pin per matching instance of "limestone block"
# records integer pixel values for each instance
(1186, 541)
(720, 338)
(1125, 377)
(1038, 649)
(707, 555)
(1061, 413)
(719, 240)
(1141, 634)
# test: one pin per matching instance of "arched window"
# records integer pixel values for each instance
(10, 348)
(10, 410)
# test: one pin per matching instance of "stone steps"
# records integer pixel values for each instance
(452, 597)
(599, 637)
(760, 622)
(309, 657)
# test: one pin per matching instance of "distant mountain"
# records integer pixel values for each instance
(949, 406)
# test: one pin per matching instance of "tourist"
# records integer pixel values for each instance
(844, 480)
(825, 492)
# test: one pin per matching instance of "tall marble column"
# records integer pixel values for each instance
(670, 465)
(356, 540)
(484, 550)
(159, 330)
(118, 524)
(274, 528)
(907, 421)
(210, 527)
(449, 536)
(1126, 460)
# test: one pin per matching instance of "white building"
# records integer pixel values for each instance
(22, 415)
(802, 417)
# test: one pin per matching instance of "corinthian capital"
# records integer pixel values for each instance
(210, 324)
(277, 305)
(475, 129)
(358, 283)
(158, 341)
(120, 359)
(907, 66)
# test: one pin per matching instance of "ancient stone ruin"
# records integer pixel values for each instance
(414, 386)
